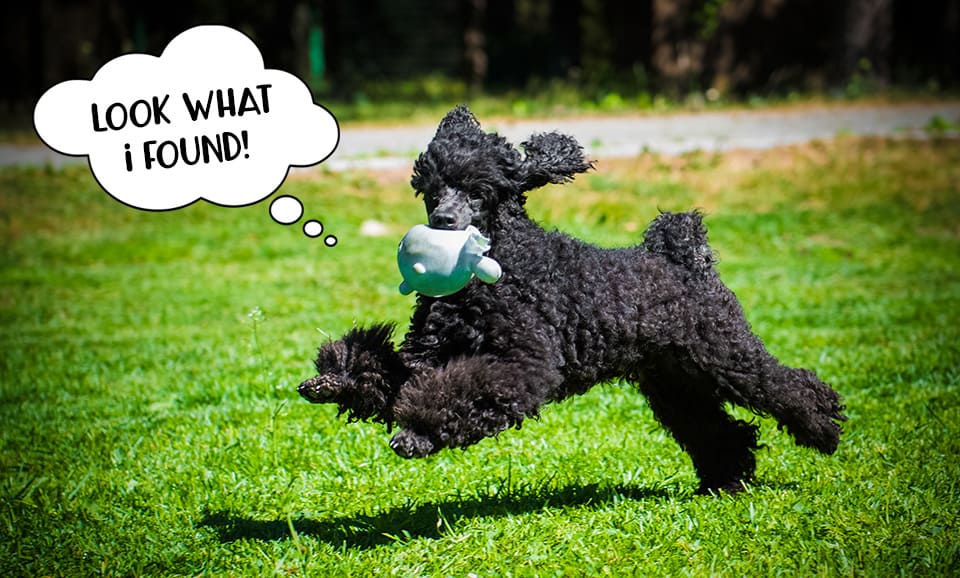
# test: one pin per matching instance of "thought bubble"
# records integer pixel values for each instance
(204, 120)
(313, 228)
(286, 210)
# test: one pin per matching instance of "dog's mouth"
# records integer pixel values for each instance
(447, 227)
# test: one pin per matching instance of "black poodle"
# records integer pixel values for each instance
(566, 316)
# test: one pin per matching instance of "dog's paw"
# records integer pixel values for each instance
(821, 432)
(320, 389)
(409, 444)
(728, 488)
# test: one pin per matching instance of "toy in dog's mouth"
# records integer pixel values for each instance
(440, 262)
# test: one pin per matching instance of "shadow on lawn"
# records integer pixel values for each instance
(426, 520)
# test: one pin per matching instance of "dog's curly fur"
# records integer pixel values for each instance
(566, 316)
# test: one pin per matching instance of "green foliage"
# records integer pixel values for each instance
(939, 127)
(707, 18)
(151, 424)
(863, 82)
(424, 100)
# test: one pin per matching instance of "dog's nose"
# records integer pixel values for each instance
(443, 220)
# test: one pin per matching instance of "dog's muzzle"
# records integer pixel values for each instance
(453, 212)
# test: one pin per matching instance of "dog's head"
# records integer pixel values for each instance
(466, 175)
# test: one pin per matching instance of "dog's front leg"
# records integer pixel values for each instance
(467, 400)
(361, 373)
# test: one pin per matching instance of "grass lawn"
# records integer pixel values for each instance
(151, 425)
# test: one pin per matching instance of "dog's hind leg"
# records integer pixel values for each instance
(467, 400)
(720, 446)
(747, 375)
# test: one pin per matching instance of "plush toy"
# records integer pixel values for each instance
(437, 262)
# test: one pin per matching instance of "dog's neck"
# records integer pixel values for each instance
(512, 227)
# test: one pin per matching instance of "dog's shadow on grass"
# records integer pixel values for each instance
(423, 520)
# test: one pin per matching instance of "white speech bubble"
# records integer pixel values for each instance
(204, 120)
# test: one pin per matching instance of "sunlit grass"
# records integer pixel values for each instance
(151, 424)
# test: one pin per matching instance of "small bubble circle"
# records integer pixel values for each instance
(286, 210)
(330, 241)
(312, 229)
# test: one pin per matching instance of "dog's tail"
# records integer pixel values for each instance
(682, 238)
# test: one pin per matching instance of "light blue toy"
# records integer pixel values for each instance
(437, 262)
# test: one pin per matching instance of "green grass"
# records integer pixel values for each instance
(150, 423)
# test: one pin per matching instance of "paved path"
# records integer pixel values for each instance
(619, 137)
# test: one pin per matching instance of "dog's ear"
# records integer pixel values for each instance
(551, 158)
(459, 121)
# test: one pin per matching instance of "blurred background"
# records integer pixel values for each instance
(377, 57)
